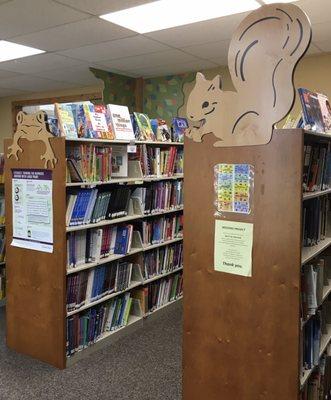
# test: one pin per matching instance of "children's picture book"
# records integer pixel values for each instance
(160, 130)
(119, 160)
(144, 126)
(66, 120)
(312, 114)
(178, 127)
(121, 122)
(102, 122)
(325, 110)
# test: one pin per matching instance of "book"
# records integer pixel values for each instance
(66, 120)
(119, 161)
(178, 128)
(325, 111)
(311, 110)
(315, 220)
(144, 127)
(102, 122)
(121, 122)
(161, 130)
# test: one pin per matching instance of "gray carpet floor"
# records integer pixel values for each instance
(146, 365)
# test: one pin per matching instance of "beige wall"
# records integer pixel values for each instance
(313, 73)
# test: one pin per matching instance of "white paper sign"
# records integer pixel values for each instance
(32, 209)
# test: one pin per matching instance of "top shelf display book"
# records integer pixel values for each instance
(117, 212)
(109, 123)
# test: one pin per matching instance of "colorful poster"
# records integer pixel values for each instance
(233, 247)
(233, 184)
(32, 209)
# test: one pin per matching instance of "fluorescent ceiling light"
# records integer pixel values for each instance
(12, 51)
(278, 1)
(165, 14)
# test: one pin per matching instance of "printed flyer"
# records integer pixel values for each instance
(233, 247)
(32, 209)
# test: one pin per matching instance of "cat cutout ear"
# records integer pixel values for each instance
(200, 77)
(217, 82)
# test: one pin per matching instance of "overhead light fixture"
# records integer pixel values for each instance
(12, 51)
(278, 1)
(163, 14)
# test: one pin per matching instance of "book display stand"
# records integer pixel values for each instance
(38, 282)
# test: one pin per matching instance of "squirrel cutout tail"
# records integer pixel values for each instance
(263, 54)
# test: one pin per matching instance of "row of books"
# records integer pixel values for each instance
(93, 244)
(156, 161)
(319, 384)
(88, 286)
(87, 327)
(2, 283)
(2, 209)
(316, 110)
(315, 276)
(312, 333)
(162, 260)
(98, 121)
(317, 167)
(2, 245)
(314, 220)
(86, 206)
(159, 196)
(161, 292)
(158, 230)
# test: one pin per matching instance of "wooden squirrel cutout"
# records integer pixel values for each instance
(263, 54)
(33, 127)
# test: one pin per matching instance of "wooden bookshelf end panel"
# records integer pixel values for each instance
(36, 280)
(238, 331)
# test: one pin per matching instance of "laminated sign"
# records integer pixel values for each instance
(32, 209)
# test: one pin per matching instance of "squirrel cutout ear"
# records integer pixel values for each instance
(200, 77)
(217, 82)
(19, 117)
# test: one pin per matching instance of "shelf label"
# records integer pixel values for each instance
(233, 247)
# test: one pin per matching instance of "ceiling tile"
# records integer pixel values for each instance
(169, 57)
(38, 63)
(4, 92)
(209, 50)
(75, 34)
(324, 45)
(101, 7)
(317, 10)
(19, 17)
(200, 32)
(78, 75)
(174, 69)
(321, 32)
(32, 83)
(131, 46)
(7, 74)
(313, 49)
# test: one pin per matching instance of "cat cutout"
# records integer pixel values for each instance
(263, 54)
(32, 127)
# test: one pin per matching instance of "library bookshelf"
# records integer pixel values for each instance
(40, 279)
(243, 334)
(2, 263)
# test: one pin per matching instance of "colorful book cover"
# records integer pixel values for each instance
(161, 130)
(103, 122)
(66, 120)
(144, 126)
(311, 109)
(119, 160)
(121, 122)
(325, 110)
(122, 237)
(178, 127)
